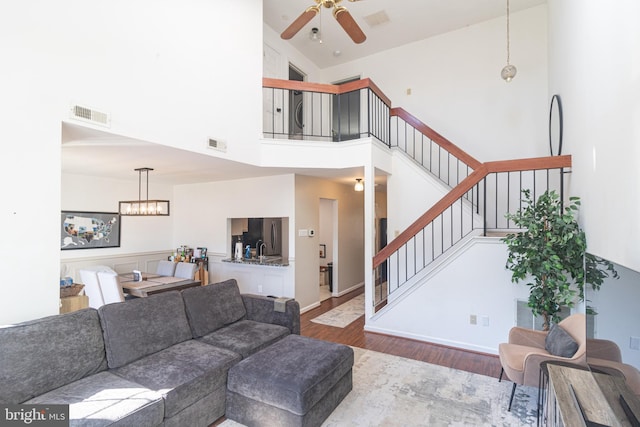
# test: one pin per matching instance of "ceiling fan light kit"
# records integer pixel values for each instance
(340, 13)
(315, 36)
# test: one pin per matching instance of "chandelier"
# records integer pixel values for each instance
(144, 207)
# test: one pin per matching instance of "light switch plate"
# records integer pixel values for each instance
(634, 343)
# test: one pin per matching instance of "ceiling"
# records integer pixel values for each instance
(408, 21)
(92, 152)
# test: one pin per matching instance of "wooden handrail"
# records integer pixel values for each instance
(436, 137)
(538, 163)
(327, 88)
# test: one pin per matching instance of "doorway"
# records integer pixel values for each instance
(346, 114)
(296, 105)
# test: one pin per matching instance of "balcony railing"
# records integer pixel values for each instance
(335, 113)
(324, 112)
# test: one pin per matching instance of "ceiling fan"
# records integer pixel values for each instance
(341, 14)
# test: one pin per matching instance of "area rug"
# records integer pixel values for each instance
(344, 314)
(395, 391)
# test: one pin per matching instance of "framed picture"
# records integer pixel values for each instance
(89, 230)
(323, 250)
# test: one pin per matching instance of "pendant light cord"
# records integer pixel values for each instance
(508, 44)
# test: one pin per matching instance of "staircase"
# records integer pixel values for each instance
(480, 194)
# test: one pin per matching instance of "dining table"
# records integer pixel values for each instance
(154, 284)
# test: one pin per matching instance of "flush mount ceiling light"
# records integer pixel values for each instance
(144, 207)
(359, 186)
(509, 71)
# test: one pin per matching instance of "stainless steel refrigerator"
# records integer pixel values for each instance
(272, 236)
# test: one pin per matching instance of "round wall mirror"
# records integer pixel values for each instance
(555, 126)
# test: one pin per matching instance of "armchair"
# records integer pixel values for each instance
(521, 356)
(605, 356)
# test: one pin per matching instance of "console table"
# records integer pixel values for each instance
(576, 396)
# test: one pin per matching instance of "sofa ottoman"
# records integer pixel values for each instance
(297, 381)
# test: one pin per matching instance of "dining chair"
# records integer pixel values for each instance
(166, 268)
(110, 287)
(89, 278)
(186, 270)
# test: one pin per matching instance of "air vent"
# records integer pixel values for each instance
(216, 144)
(89, 115)
(377, 18)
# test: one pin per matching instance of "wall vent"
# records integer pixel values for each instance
(216, 144)
(89, 115)
(526, 319)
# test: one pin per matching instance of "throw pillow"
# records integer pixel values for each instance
(559, 343)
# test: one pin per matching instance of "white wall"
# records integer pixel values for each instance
(618, 317)
(326, 228)
(594, 65)
(289, 55)
(200, 218)
(456, 87)
(411, 191)
(160, 68)
(137, 234)
(439, 310)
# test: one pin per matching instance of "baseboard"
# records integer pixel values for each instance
(346, 291)
(309, 307)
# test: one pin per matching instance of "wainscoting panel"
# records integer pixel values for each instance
(124, 263)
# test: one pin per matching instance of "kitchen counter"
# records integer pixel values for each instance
(267, 261)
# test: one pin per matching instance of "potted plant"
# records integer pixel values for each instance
(550, 251)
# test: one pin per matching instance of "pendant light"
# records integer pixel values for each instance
(144, 207)
(359, 186)
(509, 71)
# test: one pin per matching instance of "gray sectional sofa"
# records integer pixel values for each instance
(161, 360)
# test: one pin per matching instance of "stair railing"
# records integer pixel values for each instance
(476, 206)
(429, 149)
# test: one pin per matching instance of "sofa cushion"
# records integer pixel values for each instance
(246, 336)
(213, 306)
(105, 399)
(559, 343)
(27, 368)
(139, 327)
(183, 373)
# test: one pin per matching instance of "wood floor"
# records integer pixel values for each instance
(354, 335)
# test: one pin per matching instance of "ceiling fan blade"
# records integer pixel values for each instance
(347, 22)
(300, 22)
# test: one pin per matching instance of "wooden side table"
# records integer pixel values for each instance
(74, 303)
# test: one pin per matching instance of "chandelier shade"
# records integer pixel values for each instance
(143, 207)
